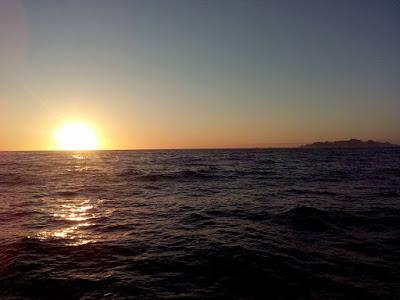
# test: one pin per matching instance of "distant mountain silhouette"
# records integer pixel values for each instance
(352, 143)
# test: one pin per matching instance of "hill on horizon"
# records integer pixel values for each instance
(352, 143)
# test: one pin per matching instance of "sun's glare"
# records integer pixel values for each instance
(76, 136)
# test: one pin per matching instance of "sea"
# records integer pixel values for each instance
(200, 224)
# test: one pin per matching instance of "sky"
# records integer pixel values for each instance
(199, 74)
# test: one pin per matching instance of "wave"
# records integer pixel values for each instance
(257, 173)
(72, 193)
(387, 194)
(11, 179)
(245, 214)
(391, 171)
(179, 175)
(311, 219)
(130, 172)
(310, 192)
(66, 193)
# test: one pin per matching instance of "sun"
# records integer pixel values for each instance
(76, 136)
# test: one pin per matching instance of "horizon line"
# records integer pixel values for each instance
(291, 145)
(157, 149)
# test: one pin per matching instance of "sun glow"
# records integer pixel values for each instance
(76, 136)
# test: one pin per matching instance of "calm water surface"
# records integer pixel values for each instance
(218, 224)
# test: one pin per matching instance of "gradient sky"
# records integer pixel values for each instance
(189, 74)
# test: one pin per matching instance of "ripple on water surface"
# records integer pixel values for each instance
(228, 224)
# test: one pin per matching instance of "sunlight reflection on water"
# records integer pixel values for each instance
(78, 156)
(80, 212)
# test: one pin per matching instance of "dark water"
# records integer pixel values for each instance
(244, 224)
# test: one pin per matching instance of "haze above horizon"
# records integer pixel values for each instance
(197, 74)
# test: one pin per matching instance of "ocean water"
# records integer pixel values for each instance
(210, 224)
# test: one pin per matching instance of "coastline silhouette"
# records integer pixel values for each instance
(352, 143)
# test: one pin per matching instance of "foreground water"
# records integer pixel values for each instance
(220, 224)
